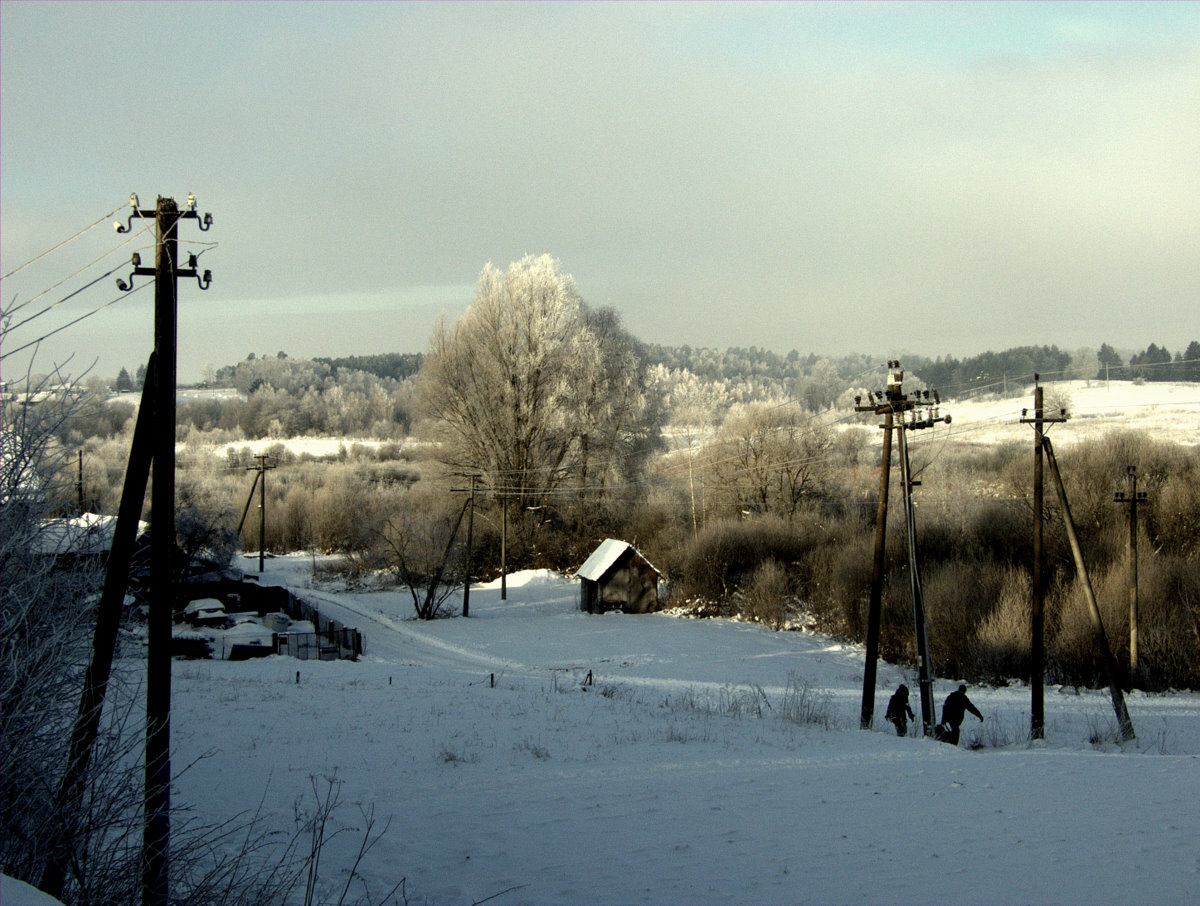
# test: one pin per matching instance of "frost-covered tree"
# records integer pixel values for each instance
(820, 387)
(534, 391)
(695, 407)
(1084, 364)
(768, 458)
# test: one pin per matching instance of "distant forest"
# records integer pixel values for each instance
(375, 394)
(752, 365)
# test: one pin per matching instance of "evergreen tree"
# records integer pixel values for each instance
(1110, 363)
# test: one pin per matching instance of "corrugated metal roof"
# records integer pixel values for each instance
(604, 557)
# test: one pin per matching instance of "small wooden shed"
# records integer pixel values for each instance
(616, 575)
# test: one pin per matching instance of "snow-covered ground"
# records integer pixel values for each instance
(708, 762)
(1168, 411)
(1171, 411)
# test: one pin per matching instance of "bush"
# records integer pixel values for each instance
(1001, 645)
(959, 596)
(765, 598)
(724, 555)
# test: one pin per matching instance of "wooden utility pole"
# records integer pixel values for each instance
(504, 547)
(1110, 665)
(1037, 648)
(261, 480)
(470, 534)
(104, 642)
(166, 273)
(874, 604)
(156, 845)
(896, 401)
(1133, 499)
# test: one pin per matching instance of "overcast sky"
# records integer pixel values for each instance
(836, 177)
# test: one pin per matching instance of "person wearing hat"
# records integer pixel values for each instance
(954, 710)
(898, 711)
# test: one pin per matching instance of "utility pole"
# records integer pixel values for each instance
(874, 605)
(470, 531)
(1132, 499)
(504, 547)
(1037, 670)
(104, 642)
(896, 401)
(260, 482)
(79, 484)
(1110, 665)
(166, 273)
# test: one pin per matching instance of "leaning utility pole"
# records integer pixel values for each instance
(166, 273)
(896, 401)
(1132, 499)
(104, 642)
(1037, 670)
(260, 482)
(1110, 664)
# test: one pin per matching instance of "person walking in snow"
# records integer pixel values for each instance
(954, 710)
(898, 711)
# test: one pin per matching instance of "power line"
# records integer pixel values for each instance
(19, 306)
(64, 242)
(72, 323)
(48, 308)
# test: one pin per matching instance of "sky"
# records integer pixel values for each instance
(941, 179)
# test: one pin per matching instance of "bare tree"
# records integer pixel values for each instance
(44, 622)
(768, 458)
(422, 549)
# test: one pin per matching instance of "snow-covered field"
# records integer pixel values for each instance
(1168, 411)
(708, 762)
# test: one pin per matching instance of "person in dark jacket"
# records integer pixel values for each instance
(954, 710)
(898, 711)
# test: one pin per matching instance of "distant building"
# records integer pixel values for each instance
(616, 575)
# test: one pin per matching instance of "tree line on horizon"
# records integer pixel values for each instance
(951, 375)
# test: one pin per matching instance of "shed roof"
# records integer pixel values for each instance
(86, 534)
(603, 557)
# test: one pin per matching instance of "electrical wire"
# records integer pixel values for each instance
(11, 327)
(19, 306)
(64, 242)
(86, 315)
